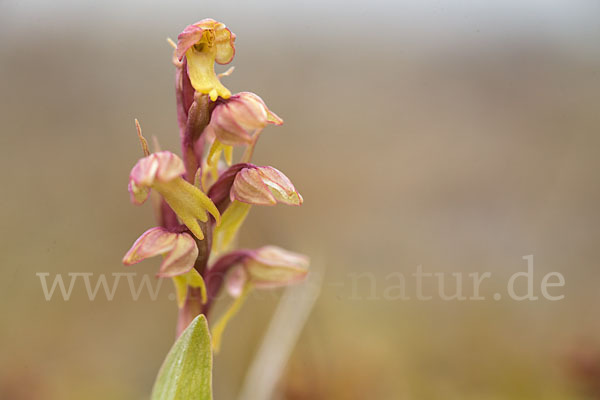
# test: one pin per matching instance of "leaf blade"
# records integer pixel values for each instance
(186, 373)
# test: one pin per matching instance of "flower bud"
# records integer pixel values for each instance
(235, 120)
(264, 186)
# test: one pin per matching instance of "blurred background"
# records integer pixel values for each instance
(458, 136)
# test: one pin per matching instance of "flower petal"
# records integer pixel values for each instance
(189, 37)
(234, 121)
(224, 39)
(137, 194)
(163, 166)
(257, 114)
(219, 192)
(225, 128)
(181, 258)
(273, 118)
(144, 171)
(236, 280)
(170, 166)
(248, 187)
(151, 243)
(272, 266)
(281, 187)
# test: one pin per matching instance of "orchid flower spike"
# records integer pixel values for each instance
(211, 122)
(162, 171)
(179, 249)
(202, 44)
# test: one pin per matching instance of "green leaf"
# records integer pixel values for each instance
(186, 373)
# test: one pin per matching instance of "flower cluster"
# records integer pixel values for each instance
(203, 198)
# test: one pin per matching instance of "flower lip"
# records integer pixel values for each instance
(180, 251)
(219, 34)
